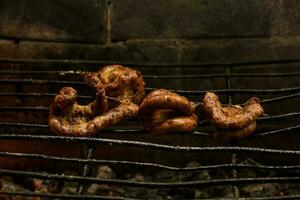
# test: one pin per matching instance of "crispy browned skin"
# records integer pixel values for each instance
(232, 122)
(125, 110)
(70, 119)
(125, 84)
(235, 134)
(119, 82)
(67, 117)
(163, 111)
(237, 119)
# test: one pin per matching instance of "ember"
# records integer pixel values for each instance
(15, 184)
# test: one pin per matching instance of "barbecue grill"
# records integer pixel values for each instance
(26, 142)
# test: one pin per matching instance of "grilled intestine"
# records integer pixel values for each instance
(119, 82)
(163, 111)
(233, 121)
(122, 85)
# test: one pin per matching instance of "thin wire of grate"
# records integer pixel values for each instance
(86, 160)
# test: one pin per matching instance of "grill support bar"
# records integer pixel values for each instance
(87, 154)
(235, 188)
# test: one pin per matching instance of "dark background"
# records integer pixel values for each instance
(151, 31)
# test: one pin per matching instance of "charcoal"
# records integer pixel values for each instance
(137, 192)
(22, 184)
(70, 187)
(103, 172)
(267, 189)
(7, 185)
(258, 190)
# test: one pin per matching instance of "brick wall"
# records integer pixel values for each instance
(151, 31)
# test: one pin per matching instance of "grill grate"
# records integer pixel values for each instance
(89, 144)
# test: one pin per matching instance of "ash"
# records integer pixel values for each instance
(24, 184)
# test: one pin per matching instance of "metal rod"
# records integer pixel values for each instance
(235, 189)
(86, 168)
(70, 196)
(63, 196)
(141, 131)
(24, 125)
(233, 91)
(101, 62)
(153, 165)
(41, 95)
(226, 91)
(151, 185)
(46, 109)
(148, 144)
(277, 131)
(287, 115)
(24, 108)
(270, 100)
(219, 75)
(96, 62)
(36, 81)
(228, 84)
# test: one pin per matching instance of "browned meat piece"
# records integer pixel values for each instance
(124, 84)
(126, 110)
(69, 118)
(231, 117)
(232, 122)
(226, 135)
(119, 82)
(163, 111)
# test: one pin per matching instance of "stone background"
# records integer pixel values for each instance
(148, 31)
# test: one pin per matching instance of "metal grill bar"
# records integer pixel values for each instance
(98, 62)
(43, 95)
(270, 100)
(280, 98)
(141, 164)
(91, 97)
(86, 168)
(148, 144)
(69, 196)
(35, 81)
(45, 109)
(233, 91)
(64, 196)
(235, 189)
(287, 115)
(24, 125)
(220, 75)
(192, 184)
(223, 91)
(60, 72)
(24, 108)
(278, 131)
(142, 131)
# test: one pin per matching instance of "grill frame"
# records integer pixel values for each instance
(88, 147)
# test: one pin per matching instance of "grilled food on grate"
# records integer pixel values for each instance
(233, 122)
(122, 84)
(119, 82)
(163, 111)
(69, 118)
(235, 134)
